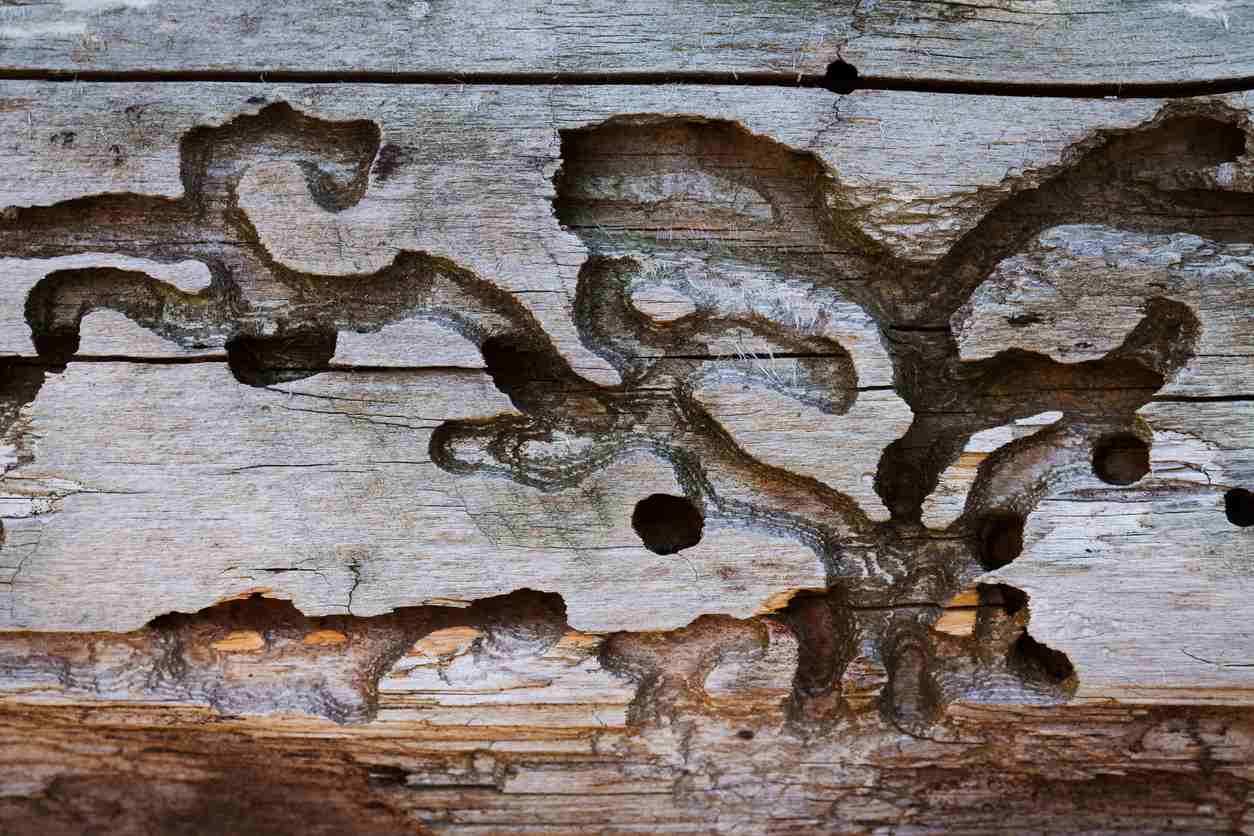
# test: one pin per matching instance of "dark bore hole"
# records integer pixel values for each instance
(745, 734)
(1239, 506)
(1036, 660)
(667, 523)
(1001, 540)
(1121, 459)
(841, 77)
(56, 348)
(525, 370)
(265, 361)
(1010, 599)
(511, 363)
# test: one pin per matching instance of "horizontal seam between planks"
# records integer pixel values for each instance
(1120, 90)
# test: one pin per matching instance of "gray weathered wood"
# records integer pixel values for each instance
(326, 512)
(1073, 296)
(327, 410)
(1079, 290)
(1023, 41)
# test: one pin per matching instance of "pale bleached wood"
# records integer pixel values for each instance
(595, 549)
(1012, 40)
(344, 525)
(321, 491)
(405, 211)
(915, 170)
(843, 451)
(408, 343)
(1151, 577)
(1048, 300)
(103, 332)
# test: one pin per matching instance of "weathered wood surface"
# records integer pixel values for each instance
(331, 414)
(497, 717)
(1019, 41)
(1133, 770)
(336, 491)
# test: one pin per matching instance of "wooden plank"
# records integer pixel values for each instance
(1021, 41)
(789, 319)
(323, 492)
(1153, 577)
(398, 209)
(536, 456)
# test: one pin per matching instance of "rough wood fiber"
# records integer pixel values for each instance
(334, 414)
(345, 511)
(1068, 297)
(509, 234)
(1078, 290)
(1026, 41)
(1130, 770)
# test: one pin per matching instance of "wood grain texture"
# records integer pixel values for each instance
(1133, 770)
(1085, 283)
(541, 258)
(496, 716)
(842, 463)
(1025, 41)
(323, 490)
(1078, 290)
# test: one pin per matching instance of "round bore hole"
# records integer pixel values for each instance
(56, 348)
(1001, 540)
(267, 360)
(1239, 506)
(745, 734)
(841, 77)
(508, 361)
(667, 524)
(1121, 459)
(522, 369)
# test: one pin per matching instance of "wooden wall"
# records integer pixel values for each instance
(585, 417)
